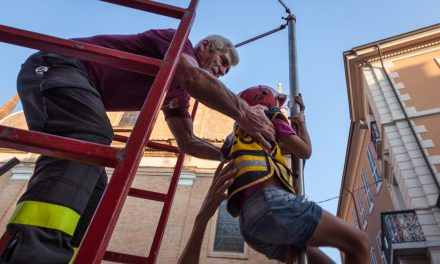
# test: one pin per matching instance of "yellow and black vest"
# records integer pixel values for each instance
(253, 163)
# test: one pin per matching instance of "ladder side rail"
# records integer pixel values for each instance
(59, 147)
(99, 232)
(84, 51)
(151, 6)
(4, 241)
(150, 144)
(160, 230)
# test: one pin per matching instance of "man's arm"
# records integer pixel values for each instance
(207, 89)
(188, 143)
(223, 178)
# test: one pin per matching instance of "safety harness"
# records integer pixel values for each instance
(253, 163)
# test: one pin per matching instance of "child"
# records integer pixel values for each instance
(273, 219)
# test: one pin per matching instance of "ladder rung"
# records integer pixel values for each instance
(151, 6)
(124, 258)
(150, 144)
(159, 146)
(83, 51)
(120, 138)
(155, 196)
(60, 147)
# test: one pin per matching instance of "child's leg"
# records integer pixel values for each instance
(314, 254)
(317, 256)
(332, 231)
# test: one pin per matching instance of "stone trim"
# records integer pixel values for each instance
(409, 167)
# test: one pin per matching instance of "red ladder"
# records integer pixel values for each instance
(124, 161)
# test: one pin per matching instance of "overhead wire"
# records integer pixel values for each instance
(347, 192)
(289, 17)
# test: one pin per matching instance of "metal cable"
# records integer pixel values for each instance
(289, 17)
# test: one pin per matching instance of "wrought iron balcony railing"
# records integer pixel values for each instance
(399, 227)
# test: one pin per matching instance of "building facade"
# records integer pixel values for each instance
(138, 221)
(390, 186)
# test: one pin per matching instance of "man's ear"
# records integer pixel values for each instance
(204, 45)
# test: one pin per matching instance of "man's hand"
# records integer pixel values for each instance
(258, 126)
(223, 178)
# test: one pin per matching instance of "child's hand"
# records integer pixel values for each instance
(298, 99)
(299, 118)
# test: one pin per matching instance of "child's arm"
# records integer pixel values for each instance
(299, 144)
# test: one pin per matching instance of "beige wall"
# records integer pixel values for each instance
(432, 125)
(420, 75)
(382, 199)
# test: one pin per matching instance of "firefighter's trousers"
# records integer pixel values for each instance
(52, 215)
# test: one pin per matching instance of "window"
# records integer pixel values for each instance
(355, 218)
(21, 173)
(373, 168)
(129, 118)
(367, 191)
(373, 256)
(379, 246)
(226, 240)
(362, 210)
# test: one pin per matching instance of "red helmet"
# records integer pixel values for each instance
(263, 95)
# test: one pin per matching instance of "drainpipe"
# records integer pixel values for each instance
(413, 132)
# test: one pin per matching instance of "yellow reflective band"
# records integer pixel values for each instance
(75, 251)
(247, 163)
(45, 215)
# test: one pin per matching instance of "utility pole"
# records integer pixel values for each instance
(297, 164)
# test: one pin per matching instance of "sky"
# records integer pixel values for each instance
(325, 29)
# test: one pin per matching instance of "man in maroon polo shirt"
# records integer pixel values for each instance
(68, 97)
